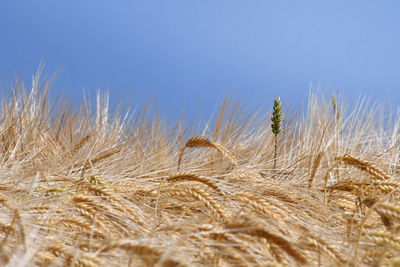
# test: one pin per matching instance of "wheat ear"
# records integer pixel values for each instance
(364, 165)
(264, 205)
(21, 233)
(81, 143)
(316, 164)
(387, 211)
(207, 200)
(253, 230)
(380, 237)
(200, 195)
(276, 125)
(103, 156)
(80, 226)
(203, 142)
(194, 177)
(321, 244)
(149, 254)
(116, 202)
(73, 259)
(358, 163)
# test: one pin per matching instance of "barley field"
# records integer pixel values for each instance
(99, 186)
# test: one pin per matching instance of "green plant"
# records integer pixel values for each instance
(276, 124)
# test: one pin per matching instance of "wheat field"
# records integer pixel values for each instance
(99, 186)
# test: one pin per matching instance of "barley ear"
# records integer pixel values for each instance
(276, 124)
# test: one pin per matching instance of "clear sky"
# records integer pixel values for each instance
(190, 54)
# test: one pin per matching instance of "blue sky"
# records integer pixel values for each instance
(190, 54)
